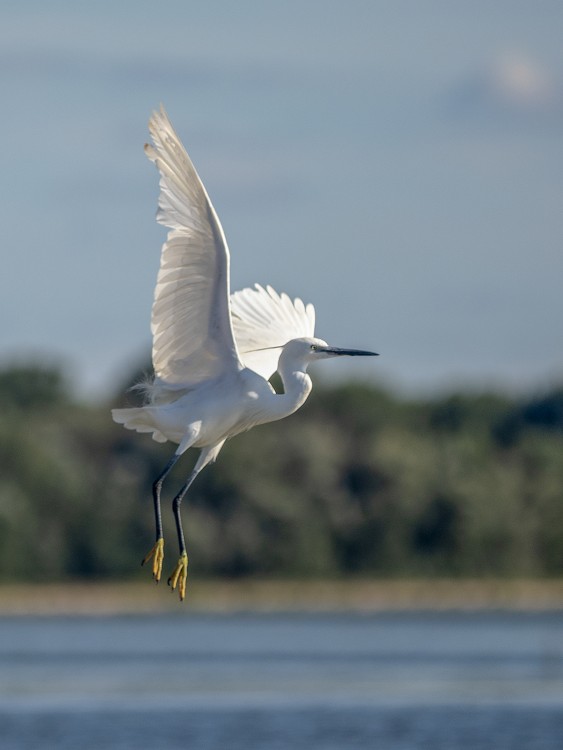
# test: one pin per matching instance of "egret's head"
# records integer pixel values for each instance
(307, 350)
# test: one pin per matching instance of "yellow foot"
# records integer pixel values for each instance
(179, 575)
(157, 555)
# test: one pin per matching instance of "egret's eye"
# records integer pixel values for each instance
(314, 347)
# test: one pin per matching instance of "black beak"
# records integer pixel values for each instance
(347, 352)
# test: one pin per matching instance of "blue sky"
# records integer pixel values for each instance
(398, 164)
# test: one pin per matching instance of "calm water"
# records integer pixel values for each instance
(395, 682)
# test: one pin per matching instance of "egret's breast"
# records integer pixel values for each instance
(221, 409)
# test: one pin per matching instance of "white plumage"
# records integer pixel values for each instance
(213, 352)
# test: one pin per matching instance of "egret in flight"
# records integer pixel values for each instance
(213, 352)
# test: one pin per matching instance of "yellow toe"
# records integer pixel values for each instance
(179, 576)
(157, 555)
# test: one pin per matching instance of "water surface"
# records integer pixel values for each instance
(283, 681)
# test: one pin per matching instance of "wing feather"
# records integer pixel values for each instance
(191, 324)
(264, 321)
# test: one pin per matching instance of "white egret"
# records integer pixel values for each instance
(213, 352)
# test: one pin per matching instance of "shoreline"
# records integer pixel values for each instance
(277, 596)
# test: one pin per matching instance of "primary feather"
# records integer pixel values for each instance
(193, 339)
(263, 322)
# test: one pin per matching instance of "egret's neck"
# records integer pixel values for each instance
(297, 386)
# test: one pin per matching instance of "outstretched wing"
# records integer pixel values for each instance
(191, 325)
(263, 322)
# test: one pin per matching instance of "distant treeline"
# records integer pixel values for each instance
(357, 483)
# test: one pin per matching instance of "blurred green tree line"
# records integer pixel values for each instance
(359, 482)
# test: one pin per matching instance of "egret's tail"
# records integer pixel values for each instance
(137, 419)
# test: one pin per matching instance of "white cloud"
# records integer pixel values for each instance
(518, 81)
(511, 86)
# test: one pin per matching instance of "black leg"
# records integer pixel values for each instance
(156, 554)
(176, 503)
(180, 572)
(156, 488)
